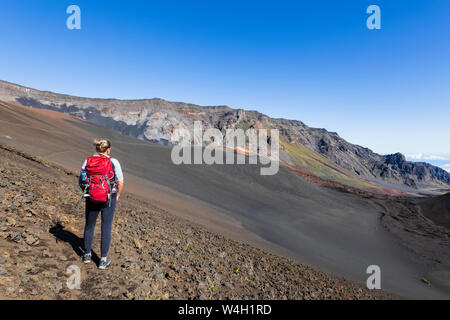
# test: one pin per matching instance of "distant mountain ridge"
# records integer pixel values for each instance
(326, 154)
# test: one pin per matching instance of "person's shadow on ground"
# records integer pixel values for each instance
(75, 241)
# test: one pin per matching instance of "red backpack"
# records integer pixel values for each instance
(100, 174)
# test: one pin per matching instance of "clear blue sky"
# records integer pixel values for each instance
(313, 61)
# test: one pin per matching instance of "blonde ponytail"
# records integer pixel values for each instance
(101, 145)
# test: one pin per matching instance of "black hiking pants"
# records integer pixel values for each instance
(92, 212)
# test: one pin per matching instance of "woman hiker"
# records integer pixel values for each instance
(101, 179)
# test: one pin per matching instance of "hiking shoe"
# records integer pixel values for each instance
(86, 257)
(104, 262)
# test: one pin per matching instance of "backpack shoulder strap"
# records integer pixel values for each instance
(113, 167)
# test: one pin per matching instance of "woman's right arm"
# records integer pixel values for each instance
(119, 188)
(119, 177)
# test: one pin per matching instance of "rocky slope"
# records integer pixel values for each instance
(155, 255)
(437, 209)
(156, 120)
